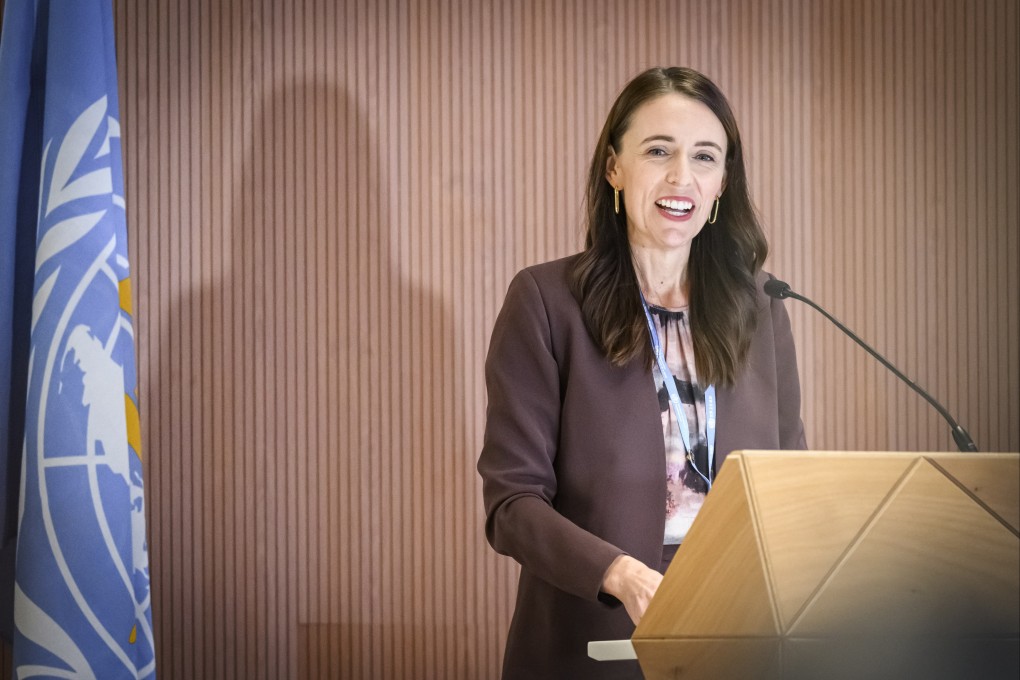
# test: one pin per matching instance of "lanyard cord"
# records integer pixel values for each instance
(674, 398)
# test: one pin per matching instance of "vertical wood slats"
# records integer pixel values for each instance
(327, 200)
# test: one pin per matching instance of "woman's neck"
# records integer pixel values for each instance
(662, 276)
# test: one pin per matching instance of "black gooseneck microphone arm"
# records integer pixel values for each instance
(780, 290)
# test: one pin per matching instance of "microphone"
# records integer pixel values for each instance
(781, 290)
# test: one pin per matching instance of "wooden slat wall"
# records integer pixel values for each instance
(328, 199)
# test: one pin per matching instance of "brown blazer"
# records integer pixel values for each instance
(573, 464)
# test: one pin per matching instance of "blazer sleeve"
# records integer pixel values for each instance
(791, 427)
(517, 462)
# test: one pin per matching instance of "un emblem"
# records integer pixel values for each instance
(82, 599)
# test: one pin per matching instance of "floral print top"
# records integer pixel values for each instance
(685, 488)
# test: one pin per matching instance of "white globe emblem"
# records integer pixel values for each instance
(89, 478)
(100, 466)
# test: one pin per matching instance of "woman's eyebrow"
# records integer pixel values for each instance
(672, 140)
(712, 144)
(658, 138)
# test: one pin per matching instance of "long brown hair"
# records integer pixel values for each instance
(725, 258)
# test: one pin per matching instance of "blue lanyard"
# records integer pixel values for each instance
(678, 410)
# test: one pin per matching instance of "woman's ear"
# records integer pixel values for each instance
(612, 169)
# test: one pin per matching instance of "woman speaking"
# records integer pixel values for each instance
(619, 379)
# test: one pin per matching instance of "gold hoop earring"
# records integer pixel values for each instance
(616, 200)
(715, 211)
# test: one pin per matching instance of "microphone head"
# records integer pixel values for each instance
(777, 289)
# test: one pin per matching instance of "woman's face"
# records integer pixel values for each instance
(670, 167)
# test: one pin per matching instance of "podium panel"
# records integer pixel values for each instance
(841, 564)
(708, 658)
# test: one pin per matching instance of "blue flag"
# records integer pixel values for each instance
(70, 444)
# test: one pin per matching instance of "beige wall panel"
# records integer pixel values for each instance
(327, 200)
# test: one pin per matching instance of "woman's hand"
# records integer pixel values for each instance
(632, 583)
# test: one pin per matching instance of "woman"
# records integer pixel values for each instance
(605, 369)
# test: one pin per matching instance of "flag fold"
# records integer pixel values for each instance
(70, 452)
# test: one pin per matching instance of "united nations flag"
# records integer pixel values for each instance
(70, 450)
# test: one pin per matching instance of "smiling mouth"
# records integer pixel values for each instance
(675, 208)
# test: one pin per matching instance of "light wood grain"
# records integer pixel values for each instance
(702, 659)
(876, 560)
(809, 510)
(997, 489)
(716, 585)
(931, 562)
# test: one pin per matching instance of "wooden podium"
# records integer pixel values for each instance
(826, 566)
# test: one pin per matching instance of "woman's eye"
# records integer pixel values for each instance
(707, 158)
(657, 151)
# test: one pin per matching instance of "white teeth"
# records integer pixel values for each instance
(685, 206)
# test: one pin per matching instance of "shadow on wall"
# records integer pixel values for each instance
(284, 495)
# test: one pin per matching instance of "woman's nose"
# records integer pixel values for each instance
(679, 172)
